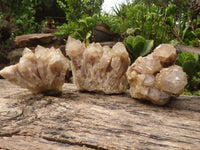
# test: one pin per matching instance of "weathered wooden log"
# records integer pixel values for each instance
(188, 49)
(78, 120)
(32, 40)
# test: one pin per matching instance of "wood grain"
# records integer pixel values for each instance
(77, 120)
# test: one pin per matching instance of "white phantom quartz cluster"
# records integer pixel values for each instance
(96, 68)
(42, 71)
(155, 77)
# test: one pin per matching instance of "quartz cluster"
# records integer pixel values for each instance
(96, 68)
(155, 77)
(42, 71)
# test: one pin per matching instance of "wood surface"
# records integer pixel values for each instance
(88, 121)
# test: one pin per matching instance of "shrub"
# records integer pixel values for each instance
(78, 9)
(190, 64)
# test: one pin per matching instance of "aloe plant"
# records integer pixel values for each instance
(138, 46)
(190, 64)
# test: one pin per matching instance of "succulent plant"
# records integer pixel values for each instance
(138, 46)
(190, 65)
(189, 62)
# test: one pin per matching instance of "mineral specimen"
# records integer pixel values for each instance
(42, 71)
(99, 69)
(152, 78)
(171, 80)
(166, 53)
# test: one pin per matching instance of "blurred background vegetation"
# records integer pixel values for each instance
(140, 24)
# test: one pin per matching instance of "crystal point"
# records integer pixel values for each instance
(98, 69)
(166, 54)
(150, 80)
(171, 80)
(41, 71)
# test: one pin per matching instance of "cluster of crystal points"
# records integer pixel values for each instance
(42, 71)
(155, 77)
(97, 68)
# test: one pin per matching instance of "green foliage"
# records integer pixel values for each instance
(197, 33)
(190, 64)
(162, 21)
(67, 29)
(78, 9)
(82, 16)
(150, 19)
(82, 29)
(192, 38)
(183, 23)
(137, 46)
(111, 21)
(191, 93)
(21, 14)
(147, 21)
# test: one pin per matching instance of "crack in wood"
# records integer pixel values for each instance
(1, 148)
(74, 143)
(156, 144)
(9, 134)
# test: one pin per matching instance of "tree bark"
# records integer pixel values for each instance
(77, 120)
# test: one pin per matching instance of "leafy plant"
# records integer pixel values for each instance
(82, 16)
(137, 46)
(183, 23)
(78, 9)
(145, 20)
(111, 21)
(21, 15)
(67, 29)
(82, 29)
(162, 21)
(190, 64)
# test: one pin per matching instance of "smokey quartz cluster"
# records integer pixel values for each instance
(96, 68)
(155, 77)
(42, 71)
